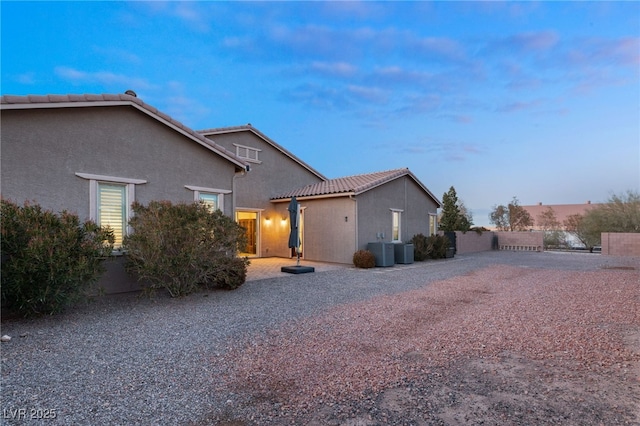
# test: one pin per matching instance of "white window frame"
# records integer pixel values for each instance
(434, 217)
(197, 190)
(393, 214)
(249, 149)
(114, 180)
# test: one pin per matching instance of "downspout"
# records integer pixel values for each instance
(406, 215)
(239, 174)
(355, 220)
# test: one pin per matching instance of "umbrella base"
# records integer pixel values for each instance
(298, 269)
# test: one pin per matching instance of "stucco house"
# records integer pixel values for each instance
(340, 216)
(274, 170)
(95, 154)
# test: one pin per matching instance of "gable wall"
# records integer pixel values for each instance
(43, 149)
(276, 174)
(374, 214)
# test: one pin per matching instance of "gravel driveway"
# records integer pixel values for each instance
(196, 360)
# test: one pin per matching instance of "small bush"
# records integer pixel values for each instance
(364, 259)
(48, 260)
(184, 247)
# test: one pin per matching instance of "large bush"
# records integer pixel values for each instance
(439, 244)
(421, 248)
(432, 247)
(48, 259)
(183, 247)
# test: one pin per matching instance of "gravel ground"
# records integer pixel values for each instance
(489, 338)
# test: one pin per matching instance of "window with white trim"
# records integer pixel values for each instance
(211, 197)
(433, 224)
(396, 225)
(248, 153)
(110, 201)
(112, 209)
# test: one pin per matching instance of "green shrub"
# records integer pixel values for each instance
(439, 245)
(364, 259)
(432, 247)
(421, 248)
(184, 247)
(48, 260)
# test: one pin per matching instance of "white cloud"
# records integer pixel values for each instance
(340, 69)
(26, 78)
(106, 78)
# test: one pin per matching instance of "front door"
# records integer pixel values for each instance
(249, 221)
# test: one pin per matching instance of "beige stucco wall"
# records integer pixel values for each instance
(43, 149)
(328, 236)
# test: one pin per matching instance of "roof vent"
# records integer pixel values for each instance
(131, 93)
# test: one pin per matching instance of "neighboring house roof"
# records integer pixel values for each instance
(88, 100)
(250, 128)
(352, 185)
(561, 211)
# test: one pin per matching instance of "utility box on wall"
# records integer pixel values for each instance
(403, 253)
(383, 252)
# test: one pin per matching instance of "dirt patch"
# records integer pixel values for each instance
(502, 345)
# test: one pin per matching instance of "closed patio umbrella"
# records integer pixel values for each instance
(294, 219)
(294, 239)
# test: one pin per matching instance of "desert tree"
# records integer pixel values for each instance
(576, 225)
(620, 214)
(513, 217)
(500, 217)
(552, 228)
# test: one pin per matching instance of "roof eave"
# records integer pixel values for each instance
(313, 197)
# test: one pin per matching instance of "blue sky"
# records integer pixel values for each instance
(537, 100)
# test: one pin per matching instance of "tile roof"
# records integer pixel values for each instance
(250, 128)
(352, 185)
(91, 100)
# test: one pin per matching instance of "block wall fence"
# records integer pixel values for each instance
(473, 242)
(620, 244)
(613, 244)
